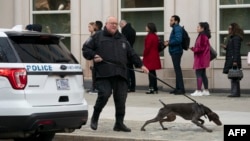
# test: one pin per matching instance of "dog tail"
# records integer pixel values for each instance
(162, 103)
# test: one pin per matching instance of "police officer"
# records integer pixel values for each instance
(111, 52)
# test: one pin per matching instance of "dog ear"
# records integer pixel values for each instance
(210, 115)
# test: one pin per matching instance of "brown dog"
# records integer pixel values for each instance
(188, 111)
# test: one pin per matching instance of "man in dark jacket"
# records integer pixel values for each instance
(129, 32)
(111, 53)
(176, 51)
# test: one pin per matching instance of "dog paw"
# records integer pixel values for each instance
(142, 129)
(209, 130)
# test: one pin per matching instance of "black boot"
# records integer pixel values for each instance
(235, 88)
(120, 126)
(94, 120)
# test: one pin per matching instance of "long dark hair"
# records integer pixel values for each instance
(152, 28)
(206, 28)
(236, 30)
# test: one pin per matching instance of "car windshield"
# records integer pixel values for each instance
(42, 49)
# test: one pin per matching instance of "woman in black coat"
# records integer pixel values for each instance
(233, 57)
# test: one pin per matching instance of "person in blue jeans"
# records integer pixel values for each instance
(176, 51)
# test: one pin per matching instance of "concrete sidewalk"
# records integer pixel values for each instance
(142, 107)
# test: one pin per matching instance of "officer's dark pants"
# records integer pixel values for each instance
(106, 86)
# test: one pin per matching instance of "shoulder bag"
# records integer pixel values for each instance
(213, 53)
(161, 45)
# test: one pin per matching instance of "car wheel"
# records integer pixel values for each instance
(38, 137)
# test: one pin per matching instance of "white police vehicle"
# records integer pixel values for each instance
(41, 87)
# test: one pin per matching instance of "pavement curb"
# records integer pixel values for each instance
(68, 137)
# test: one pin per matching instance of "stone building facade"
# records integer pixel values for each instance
(71, 18)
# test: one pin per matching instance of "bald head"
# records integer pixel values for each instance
(123, 23)
(112, 24)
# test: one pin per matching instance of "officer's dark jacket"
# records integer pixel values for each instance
(115, 51)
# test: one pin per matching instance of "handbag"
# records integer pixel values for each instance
(235, 73)
(213, 53)
(161, 45)
(248, 58)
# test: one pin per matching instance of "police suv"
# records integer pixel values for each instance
(41, 87)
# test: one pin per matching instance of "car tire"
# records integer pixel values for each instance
(38, 137)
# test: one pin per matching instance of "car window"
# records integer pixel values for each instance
(6, 52)
(39, 49)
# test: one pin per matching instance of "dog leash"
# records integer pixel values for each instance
(165, 84)
(124, 67)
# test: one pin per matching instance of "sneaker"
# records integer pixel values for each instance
(205, 92)
(196, 93)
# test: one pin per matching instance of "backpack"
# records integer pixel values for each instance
(185, 39)
(161, 45)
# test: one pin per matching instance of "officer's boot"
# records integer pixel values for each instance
(120, 126)
(94, 120)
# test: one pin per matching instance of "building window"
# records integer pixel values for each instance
(234, 11)
(54, 16)
(139, 13)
